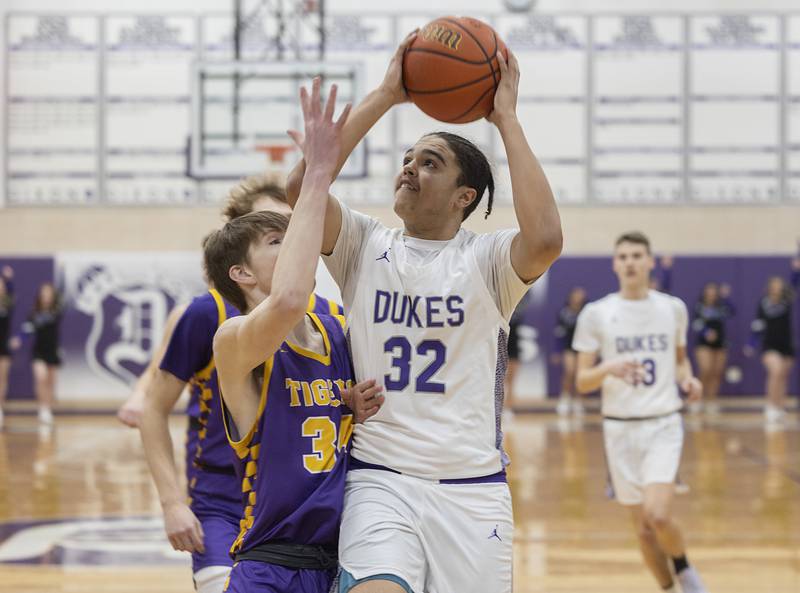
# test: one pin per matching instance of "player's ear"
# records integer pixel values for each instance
(241, 275)
(466, 196)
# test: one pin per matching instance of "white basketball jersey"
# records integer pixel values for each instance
(432, 333)
(648, 330)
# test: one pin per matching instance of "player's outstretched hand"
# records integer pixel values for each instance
(321, 142)
(627, 369)
(505, 99)
(183, 529)
(693, 389)
(392, 83)
(365, 399)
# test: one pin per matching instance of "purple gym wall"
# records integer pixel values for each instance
(107, 296)
(746, 275)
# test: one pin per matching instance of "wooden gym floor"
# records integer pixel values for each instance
(78, 512)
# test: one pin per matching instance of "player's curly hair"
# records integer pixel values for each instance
(230, 246)
(241, 198)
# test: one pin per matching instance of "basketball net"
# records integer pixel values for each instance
(277, 166)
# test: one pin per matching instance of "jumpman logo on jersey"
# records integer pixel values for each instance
(384, 256)
(494, 534)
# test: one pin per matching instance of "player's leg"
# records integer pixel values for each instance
(658, 516)
(657, 508)
(379, 548)
(654, 557)
(211, 579)
(467, 532)
(211, 568)
(378, 586)
(705, 370)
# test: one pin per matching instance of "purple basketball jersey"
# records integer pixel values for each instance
(293, 461)
(189, 357)
(322, 306)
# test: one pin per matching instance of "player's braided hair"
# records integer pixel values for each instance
(476, 172)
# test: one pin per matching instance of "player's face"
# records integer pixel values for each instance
(426, 186)
(710, 293)
(270, 204)
(262, 256)
(633, 264)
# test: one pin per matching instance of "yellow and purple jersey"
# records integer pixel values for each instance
(293, 460)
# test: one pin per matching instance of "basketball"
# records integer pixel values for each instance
(451, 70)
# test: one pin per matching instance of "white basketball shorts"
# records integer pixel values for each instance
(642, 452)
(437, 537)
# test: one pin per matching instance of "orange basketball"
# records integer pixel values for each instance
(451, 70)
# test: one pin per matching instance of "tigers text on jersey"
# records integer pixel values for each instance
(434, 333)
(650, 330)
(293, 461)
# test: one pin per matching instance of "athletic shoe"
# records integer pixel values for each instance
(45, 416)
(577, 408)
(690, 581)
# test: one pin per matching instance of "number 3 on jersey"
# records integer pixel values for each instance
(324, 443)
(400, 349)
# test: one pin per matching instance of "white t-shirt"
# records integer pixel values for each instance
(429, 321)
(649, 330)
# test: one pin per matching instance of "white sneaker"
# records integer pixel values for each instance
(773, 414)
(577, 408)
(563, 406)
(690, 581)
(45, 416)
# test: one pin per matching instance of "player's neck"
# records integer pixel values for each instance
(253, 298)
(443, 232)
(634, 292)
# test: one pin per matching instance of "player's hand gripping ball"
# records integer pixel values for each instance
(451, 70)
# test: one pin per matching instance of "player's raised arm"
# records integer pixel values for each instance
(365, 115)
(243, 343)
(539, 241)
